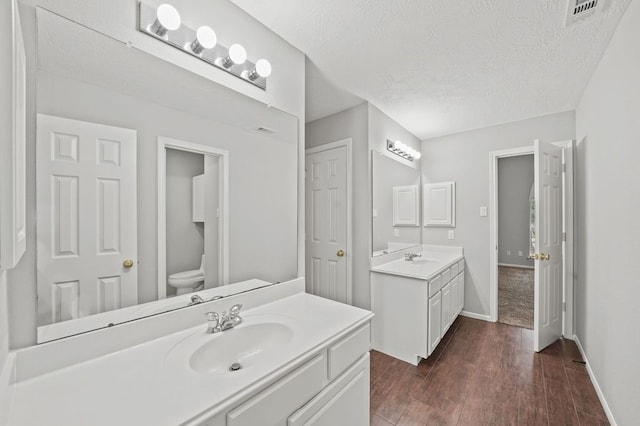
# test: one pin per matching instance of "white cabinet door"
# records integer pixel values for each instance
(435, 318)
(446, 308)
(343, 402)
(455, 297)
(460, 292)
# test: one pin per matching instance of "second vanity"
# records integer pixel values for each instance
(415, 301)
(304, 359)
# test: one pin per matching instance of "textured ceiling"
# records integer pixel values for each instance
(445, 66)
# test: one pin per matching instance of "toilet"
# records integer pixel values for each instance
(188, 281)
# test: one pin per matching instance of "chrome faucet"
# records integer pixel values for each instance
(410, 256)
(229, 320)
(195, 300)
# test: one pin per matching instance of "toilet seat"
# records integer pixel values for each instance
(187, 281)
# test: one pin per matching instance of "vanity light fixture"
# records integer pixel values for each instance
(167, 19)
(165, 24)
(403, 150)
(205, 39)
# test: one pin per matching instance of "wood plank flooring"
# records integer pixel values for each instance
(485, 373)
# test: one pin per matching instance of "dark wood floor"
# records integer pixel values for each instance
(485, 373)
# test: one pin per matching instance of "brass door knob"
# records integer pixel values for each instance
(533, 256)
(545, 256)
(127, 263)
(340, 253)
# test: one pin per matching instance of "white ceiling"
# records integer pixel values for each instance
(440, 67)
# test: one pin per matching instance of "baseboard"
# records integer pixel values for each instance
(476, 316)
(516, 266)
(592, 376)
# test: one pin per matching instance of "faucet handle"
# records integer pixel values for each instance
(212, 316)
(214, 321)
(235, 309)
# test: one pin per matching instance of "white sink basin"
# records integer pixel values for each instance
(246, 346)
(256, 344)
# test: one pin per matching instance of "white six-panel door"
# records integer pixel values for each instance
(326, 224)
(87, 219)
(548, 256)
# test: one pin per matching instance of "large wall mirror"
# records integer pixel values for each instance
(396, 205)
(152, 183)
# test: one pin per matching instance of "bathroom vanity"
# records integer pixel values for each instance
(303, 360)
(415, 301)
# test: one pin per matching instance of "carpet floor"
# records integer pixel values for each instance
(515, 296)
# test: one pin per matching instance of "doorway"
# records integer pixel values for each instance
(516, 236)
(553, 256)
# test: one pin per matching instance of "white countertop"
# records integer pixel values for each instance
(141, 385)
(433, 260)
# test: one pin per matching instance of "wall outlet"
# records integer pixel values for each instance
(520, 253)
(396, 232)
(451, 234)
(483, 211)
(508, 252)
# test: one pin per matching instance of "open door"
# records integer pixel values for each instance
(548, 244)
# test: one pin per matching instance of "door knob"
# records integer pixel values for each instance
(127, 263)
(545, 256)
(340, 253)
(533, 256)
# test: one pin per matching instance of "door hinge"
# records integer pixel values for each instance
(564, 306)
(564, 236)
(564, 167)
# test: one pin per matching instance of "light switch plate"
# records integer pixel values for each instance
(483, 211)
(520, 253)
(374, 213)
(396, 232)
(451, 234)
(508, 252)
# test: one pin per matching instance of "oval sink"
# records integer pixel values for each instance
(248, 344)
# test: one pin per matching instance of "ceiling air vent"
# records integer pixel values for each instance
(581, 9)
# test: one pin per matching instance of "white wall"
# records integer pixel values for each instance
(515, 179)
(608, 201)
(185, 237)
(464, 158)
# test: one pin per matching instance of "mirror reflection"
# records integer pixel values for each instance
(152, 183)
(396, 201)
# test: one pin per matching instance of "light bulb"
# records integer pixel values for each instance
(401, 146)
(167, 19)
(418, 155)
(262, 69)
(237, 54)
(205, 39)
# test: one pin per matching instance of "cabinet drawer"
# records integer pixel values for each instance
(273, 405)
(345, 401)
(460, 265)
(446, 276)
(435, 284)
(454, 269)
(348, 350)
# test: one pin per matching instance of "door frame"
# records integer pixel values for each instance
(349, 255)
(568, 314)
(223, 199)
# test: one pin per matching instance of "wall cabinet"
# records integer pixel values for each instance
(331, 388)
